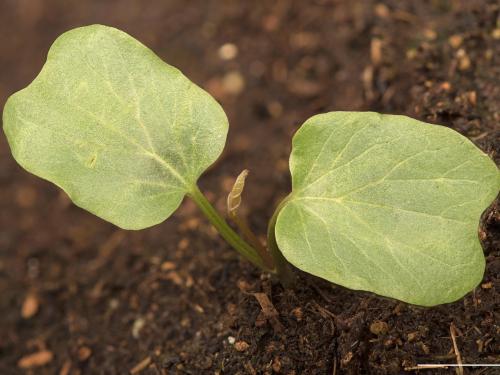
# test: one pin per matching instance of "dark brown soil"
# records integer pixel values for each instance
(175, 298)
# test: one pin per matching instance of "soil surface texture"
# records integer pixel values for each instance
(80, 296)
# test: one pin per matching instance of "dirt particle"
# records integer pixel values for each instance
(183, 244)
(227, 51)
(250, 368)
(472, 97)
(233, 83)
(303, 87)
(464, 62)
(304, 40)
(379, 328)
(382, 11)
(430, 34)
(275, 109)
(297, 313)
(346, 359)
(411, 54)
(30, 306)
(167, 266)
(84, 353)
(271, 23)
(455, 41)
(496, 34)
(445, 86)
(198, 309)
(26, 196)
(412, 336)
(37, 359)
(244, 286)
(175, 278)
(424, 348)
(388, 343)
(232, 308)
(276, 364)
(241, 346)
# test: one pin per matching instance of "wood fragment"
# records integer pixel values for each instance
(140, 366)
(453, 332)
(66, 367)
(37, 359)
(269, 311)
(426, 367)
(108, 248)
(376, 51)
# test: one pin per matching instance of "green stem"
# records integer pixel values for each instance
(253, 240)
(285, 274)
(226, 231)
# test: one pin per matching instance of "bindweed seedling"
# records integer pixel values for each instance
(380, 203)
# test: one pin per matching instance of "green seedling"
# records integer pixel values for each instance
(380, 203)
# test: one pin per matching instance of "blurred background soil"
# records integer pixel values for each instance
(80, 296)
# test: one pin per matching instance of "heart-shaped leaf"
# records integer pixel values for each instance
(123, 133)
(387, 204)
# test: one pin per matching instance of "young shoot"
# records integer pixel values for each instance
(380, 203)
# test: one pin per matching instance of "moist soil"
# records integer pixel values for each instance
(88, 298)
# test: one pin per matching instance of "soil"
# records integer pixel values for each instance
(84, 297)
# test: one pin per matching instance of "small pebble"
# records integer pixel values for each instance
(231, 340)
(455, 41)
(137, 327)
(382, 11)
(241, 346)
(167, 266)
(30, 306)
(430, 34)
(446, 86)
(228, 51)
(379, 327)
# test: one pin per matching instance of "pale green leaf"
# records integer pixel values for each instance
(123, 133)
(387, 204)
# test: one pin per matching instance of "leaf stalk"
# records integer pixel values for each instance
(226, 231)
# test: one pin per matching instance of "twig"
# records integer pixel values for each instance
(453, 333)
(269, 311)
(140, 366)
(426, 367)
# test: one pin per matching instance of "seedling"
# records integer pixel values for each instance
(380, 203)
